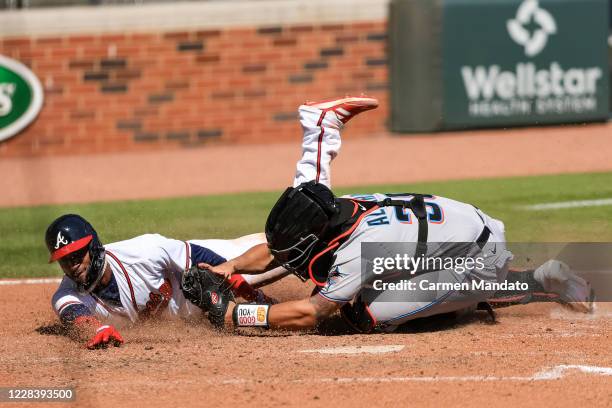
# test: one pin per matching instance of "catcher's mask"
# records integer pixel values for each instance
(298, 222)
(69, 238)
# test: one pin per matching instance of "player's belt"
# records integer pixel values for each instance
(483, 238)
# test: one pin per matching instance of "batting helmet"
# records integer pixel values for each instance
(298, 222)
(71, 234)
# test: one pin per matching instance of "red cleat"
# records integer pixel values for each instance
(346, 108)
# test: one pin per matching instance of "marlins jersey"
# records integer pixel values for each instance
(146, 275)
(448, 221)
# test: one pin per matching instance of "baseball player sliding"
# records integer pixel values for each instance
(319, 236)
(132, 280)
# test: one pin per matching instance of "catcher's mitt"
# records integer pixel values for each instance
(209, 292)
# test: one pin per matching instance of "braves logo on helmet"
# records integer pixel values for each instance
(60, 240)
(214, 298)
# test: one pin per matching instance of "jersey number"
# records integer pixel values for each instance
(435, 214)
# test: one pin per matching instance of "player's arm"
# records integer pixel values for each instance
(257, 259)
(267, 278)
(75, 318)
(81, 325)
(295, 315)
(301, 314)
(80, 322)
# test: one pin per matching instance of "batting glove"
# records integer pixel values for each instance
(105, 335)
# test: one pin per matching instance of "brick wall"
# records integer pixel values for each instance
(113, 92)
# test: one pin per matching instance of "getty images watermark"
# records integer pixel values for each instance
(388, 268)
(401, 272)
(459, 266)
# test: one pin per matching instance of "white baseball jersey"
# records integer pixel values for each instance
(147, 270)
(449, 221)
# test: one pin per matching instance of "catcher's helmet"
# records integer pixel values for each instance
(298, 221)
(72, 234)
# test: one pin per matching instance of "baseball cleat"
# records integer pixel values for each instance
(346, 108)
(573, 291)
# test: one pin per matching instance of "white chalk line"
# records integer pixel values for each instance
(566, 354)
(547, 374)
(551, 335)
(554, 373)
(35, 281)
(568, 204)
(562, 314)
(559, 371)
(356, 350)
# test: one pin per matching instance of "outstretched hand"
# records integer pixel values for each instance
(105, 335)
(224, 270)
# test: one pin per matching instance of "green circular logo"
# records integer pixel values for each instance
(21, 97)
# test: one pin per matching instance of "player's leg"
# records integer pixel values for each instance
(389, 315)
(322, 123)
(552, 281)
(231, 248)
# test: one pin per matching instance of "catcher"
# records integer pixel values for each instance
(320, 237)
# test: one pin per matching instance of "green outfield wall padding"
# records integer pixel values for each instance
(460, 64)
(415, 65)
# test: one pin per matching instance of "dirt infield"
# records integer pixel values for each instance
(237, 168)
(536, 355)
